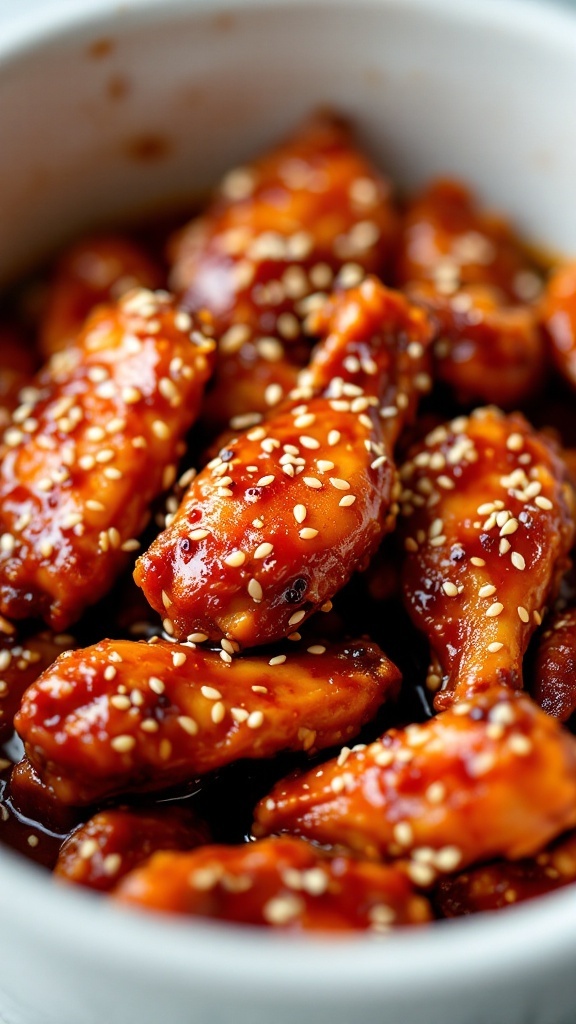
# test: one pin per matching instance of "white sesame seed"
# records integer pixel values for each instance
(477, 561)
(495, 647)
(279, 659)
(296, 618)
(494, 610)
(487, 590)
(156, 685)
(509, 527)
(188, 724)
(178, 659)
(309, 442)
(235, 559)
(308, 533)
(255, 719)
(197, 638)
(265, 481)
(347, 500)
(218, 711)
(263, 550)
(123, 744)
(316, 649)
(340, 485)
(523, 614)
(543, 503)
(255, 590)
(199, 534)
(450, 589)
(518, 560)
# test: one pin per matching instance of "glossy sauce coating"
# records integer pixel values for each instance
(112, 843)
(125, 717)
(93, 442)
(491, 777)
(278, 523)
(488, 529)
(94, 270)
(487, 351)
(268, 250)
(21, 662)
(558, 317)
(449, 240)
(502, 884)
(554, 674)
(281, 883)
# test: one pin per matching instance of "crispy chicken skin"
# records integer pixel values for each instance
(493, 777)
(554, 673)
(488, 528)
(282, 883)
(95, 440)
(21, 662)
(278, 523)
(467, 266)
(268, 249)
(98, 854)
(493, 886)
(558, 318)
(125, 717)
(94, 270)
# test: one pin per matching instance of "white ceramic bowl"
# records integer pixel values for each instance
(480, 89)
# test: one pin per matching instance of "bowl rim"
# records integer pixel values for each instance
(507, 944)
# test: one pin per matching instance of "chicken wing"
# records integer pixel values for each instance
(278, 523)
(21, 662)
(501, 884)
(489, 526)
(554, 672)
(448, 240)
(282, 883)
(494, 777)
(97, 269)
(558, 318)
(94, 441)
(269, 247)
(112, 843)
(124, 716)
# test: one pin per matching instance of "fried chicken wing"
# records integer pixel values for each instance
(489, 526)
(112, 843)
(554, 673)
(448, 240)
(501, 884)
(269, 247)
(494, 777)
(94, 441)
(123, 716)
(21, 662)
(487, 351)
(282, 883)
(276, 525)
(96, 269)
(558, 317)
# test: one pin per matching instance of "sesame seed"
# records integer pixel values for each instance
(255, 720)
(32, 840)
(340, 485)
(109, 673)
(210, 692)
(123, 744)
(515, 442)
(111, 864)
(156, 684)
(282, 909)
(494, 610)
(450, 589)
(218, 712)
(226, 657)
(296, 618)
(518, 560)
(347, 500)
(448, 858)
(131, 395)
(309, 442)
(255, 590)
(235, 559)
(523, 614)
(403, 834)
(265, 481)
(509, 527)
(120, 702)
(188, 724)
(436, 792)
(199, 534)
(519, 744)
(299, 512)
(477, 561)
(308, 533)
(316, 649)
(279, 659)
(495, 647)
(487, 590)
(197, 638)
(543, 503)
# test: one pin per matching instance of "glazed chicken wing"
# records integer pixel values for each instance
(97, 269)
(488, 529)
(94, 441)
(486, 351)
(494, 777)
(448, 240)
(468, 268)
(276, 525)
(124, 716)
(283, 883)
(268, 249)
(21, 662)
(558, 317)
(112, 843)
(493, 886)
(554, 673)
